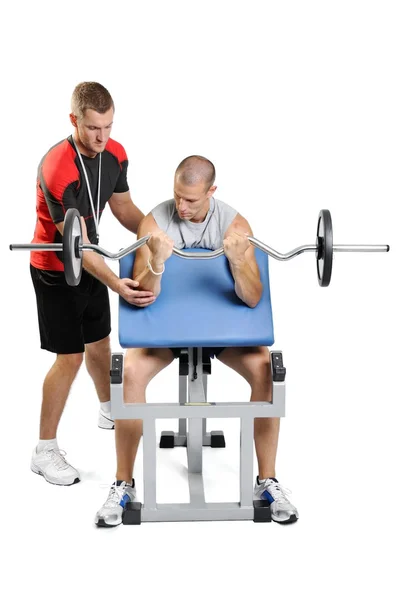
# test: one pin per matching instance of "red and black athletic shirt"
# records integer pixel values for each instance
(61, 184)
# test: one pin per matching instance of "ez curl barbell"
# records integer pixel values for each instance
(72, 248)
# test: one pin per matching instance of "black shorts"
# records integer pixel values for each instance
(209, 352)
(70, 317)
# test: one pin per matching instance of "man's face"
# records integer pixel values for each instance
(93, 130)
(192, 200)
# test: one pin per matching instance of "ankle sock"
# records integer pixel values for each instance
(46, 443)
(106, 407)
(120, 481)
(263, 480)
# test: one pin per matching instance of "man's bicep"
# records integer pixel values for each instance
(119, 200)
(121, 185)
(241, 225)
(59, 201)
(61, 224)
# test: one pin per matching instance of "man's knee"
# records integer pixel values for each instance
(70, 362)
(135, 372)
(258, 364)
(142, 364)
(99, 348)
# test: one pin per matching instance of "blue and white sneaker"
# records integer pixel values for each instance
(111, 513)
(282, 510)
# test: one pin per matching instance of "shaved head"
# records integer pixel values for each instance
(195, 170)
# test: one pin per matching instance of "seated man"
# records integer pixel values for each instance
(195, 219)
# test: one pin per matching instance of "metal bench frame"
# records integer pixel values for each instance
(192, 410)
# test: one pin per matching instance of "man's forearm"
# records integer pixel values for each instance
(130, 217)
(96, 266)
(248, 287)
(148, 281)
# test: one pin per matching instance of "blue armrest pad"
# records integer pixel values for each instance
(197, 306)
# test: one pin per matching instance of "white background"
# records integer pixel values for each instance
(296, 104)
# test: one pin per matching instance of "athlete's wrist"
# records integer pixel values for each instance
(156, 268)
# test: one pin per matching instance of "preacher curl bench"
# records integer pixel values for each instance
(197, 308)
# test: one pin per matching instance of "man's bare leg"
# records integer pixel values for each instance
(98, 363)
(254, 365)
(140, 366)
(56, 389)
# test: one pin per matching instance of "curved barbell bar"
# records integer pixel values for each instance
(72, 248)
(205, 255)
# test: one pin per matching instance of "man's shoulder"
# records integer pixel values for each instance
(148, 224)
(165, 205)
(61, 151)
(230, 216)
(221, 205)
(115, 148)
(226, 214)
(239, 223)
(59, 162)
(163, 213)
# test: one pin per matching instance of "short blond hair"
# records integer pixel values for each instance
(91, 95)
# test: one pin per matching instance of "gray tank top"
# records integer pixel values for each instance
(185, 234)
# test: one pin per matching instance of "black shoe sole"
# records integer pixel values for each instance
(292, 519)
(101, 523)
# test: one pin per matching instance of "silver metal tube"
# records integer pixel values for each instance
(207, 255)
(359, 248)
(118, 255)
(255, 242)
(198, 255)
(278, 255)
(41, 247)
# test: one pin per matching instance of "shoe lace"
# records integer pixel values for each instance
(279, 493)
(115, 495)
(58, 458)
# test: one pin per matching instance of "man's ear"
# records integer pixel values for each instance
(73, 119)
(211, 190)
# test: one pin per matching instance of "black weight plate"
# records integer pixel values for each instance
(72, 255)
(324, 242)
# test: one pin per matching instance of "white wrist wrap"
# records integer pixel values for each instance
(152, 271)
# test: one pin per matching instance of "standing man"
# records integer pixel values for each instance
(85, 171)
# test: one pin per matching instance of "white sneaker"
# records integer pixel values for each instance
(104, 420)
(111, 513)
(51, 464)
(282, 510)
